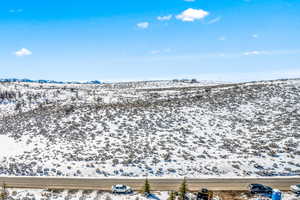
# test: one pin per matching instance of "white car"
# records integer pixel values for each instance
(295, 188)
(121, 189)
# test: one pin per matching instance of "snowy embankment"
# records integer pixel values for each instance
(98, 195)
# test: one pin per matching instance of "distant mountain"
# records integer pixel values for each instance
(25, 80)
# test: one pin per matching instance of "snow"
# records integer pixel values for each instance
(79, 194)
(9, 147)
(24, 194)
(159, 128)
(285, 196)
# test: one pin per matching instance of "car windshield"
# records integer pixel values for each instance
(120, 187)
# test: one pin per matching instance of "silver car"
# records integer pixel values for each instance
(295, 188)
(121, 189)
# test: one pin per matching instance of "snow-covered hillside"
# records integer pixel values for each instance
(167, 128)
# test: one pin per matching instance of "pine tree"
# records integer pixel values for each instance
(183, 190)
(3, 193)
(172, 196)
(146, 188)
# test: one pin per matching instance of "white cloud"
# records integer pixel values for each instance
(273, 52)
(215, 20)
(222, 38)
(255, 36)
(190, 15)
(155, 52)
(293, 73)
(143, 25)
(15, 10)
(252, 53)
(189, 0)
(23, 52)
(249, 53)
(167, 50)
(164, 18)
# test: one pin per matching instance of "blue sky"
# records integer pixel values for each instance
(228, 40)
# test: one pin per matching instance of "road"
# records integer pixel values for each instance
(159, 184)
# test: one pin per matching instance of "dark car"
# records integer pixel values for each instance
(204, 194)
(260, 189)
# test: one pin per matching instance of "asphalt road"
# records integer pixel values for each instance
(159, 184)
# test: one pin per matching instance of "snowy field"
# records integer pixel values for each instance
(21, 194)
(167, 128)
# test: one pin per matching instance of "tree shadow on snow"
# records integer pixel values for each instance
(153, 196)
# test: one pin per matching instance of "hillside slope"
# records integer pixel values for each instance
(151, 128)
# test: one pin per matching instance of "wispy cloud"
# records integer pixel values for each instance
(143, 25)
(249, 53)
(167, 50)
(222, 38)
(23, 52)
(155, 52)
(164, 18)
(189, 0)
(255, 36)
(177, 56)
(190, 15)
(15, 10)
(215, 20)
(159, 56)
(289, 73)
(271, 52)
